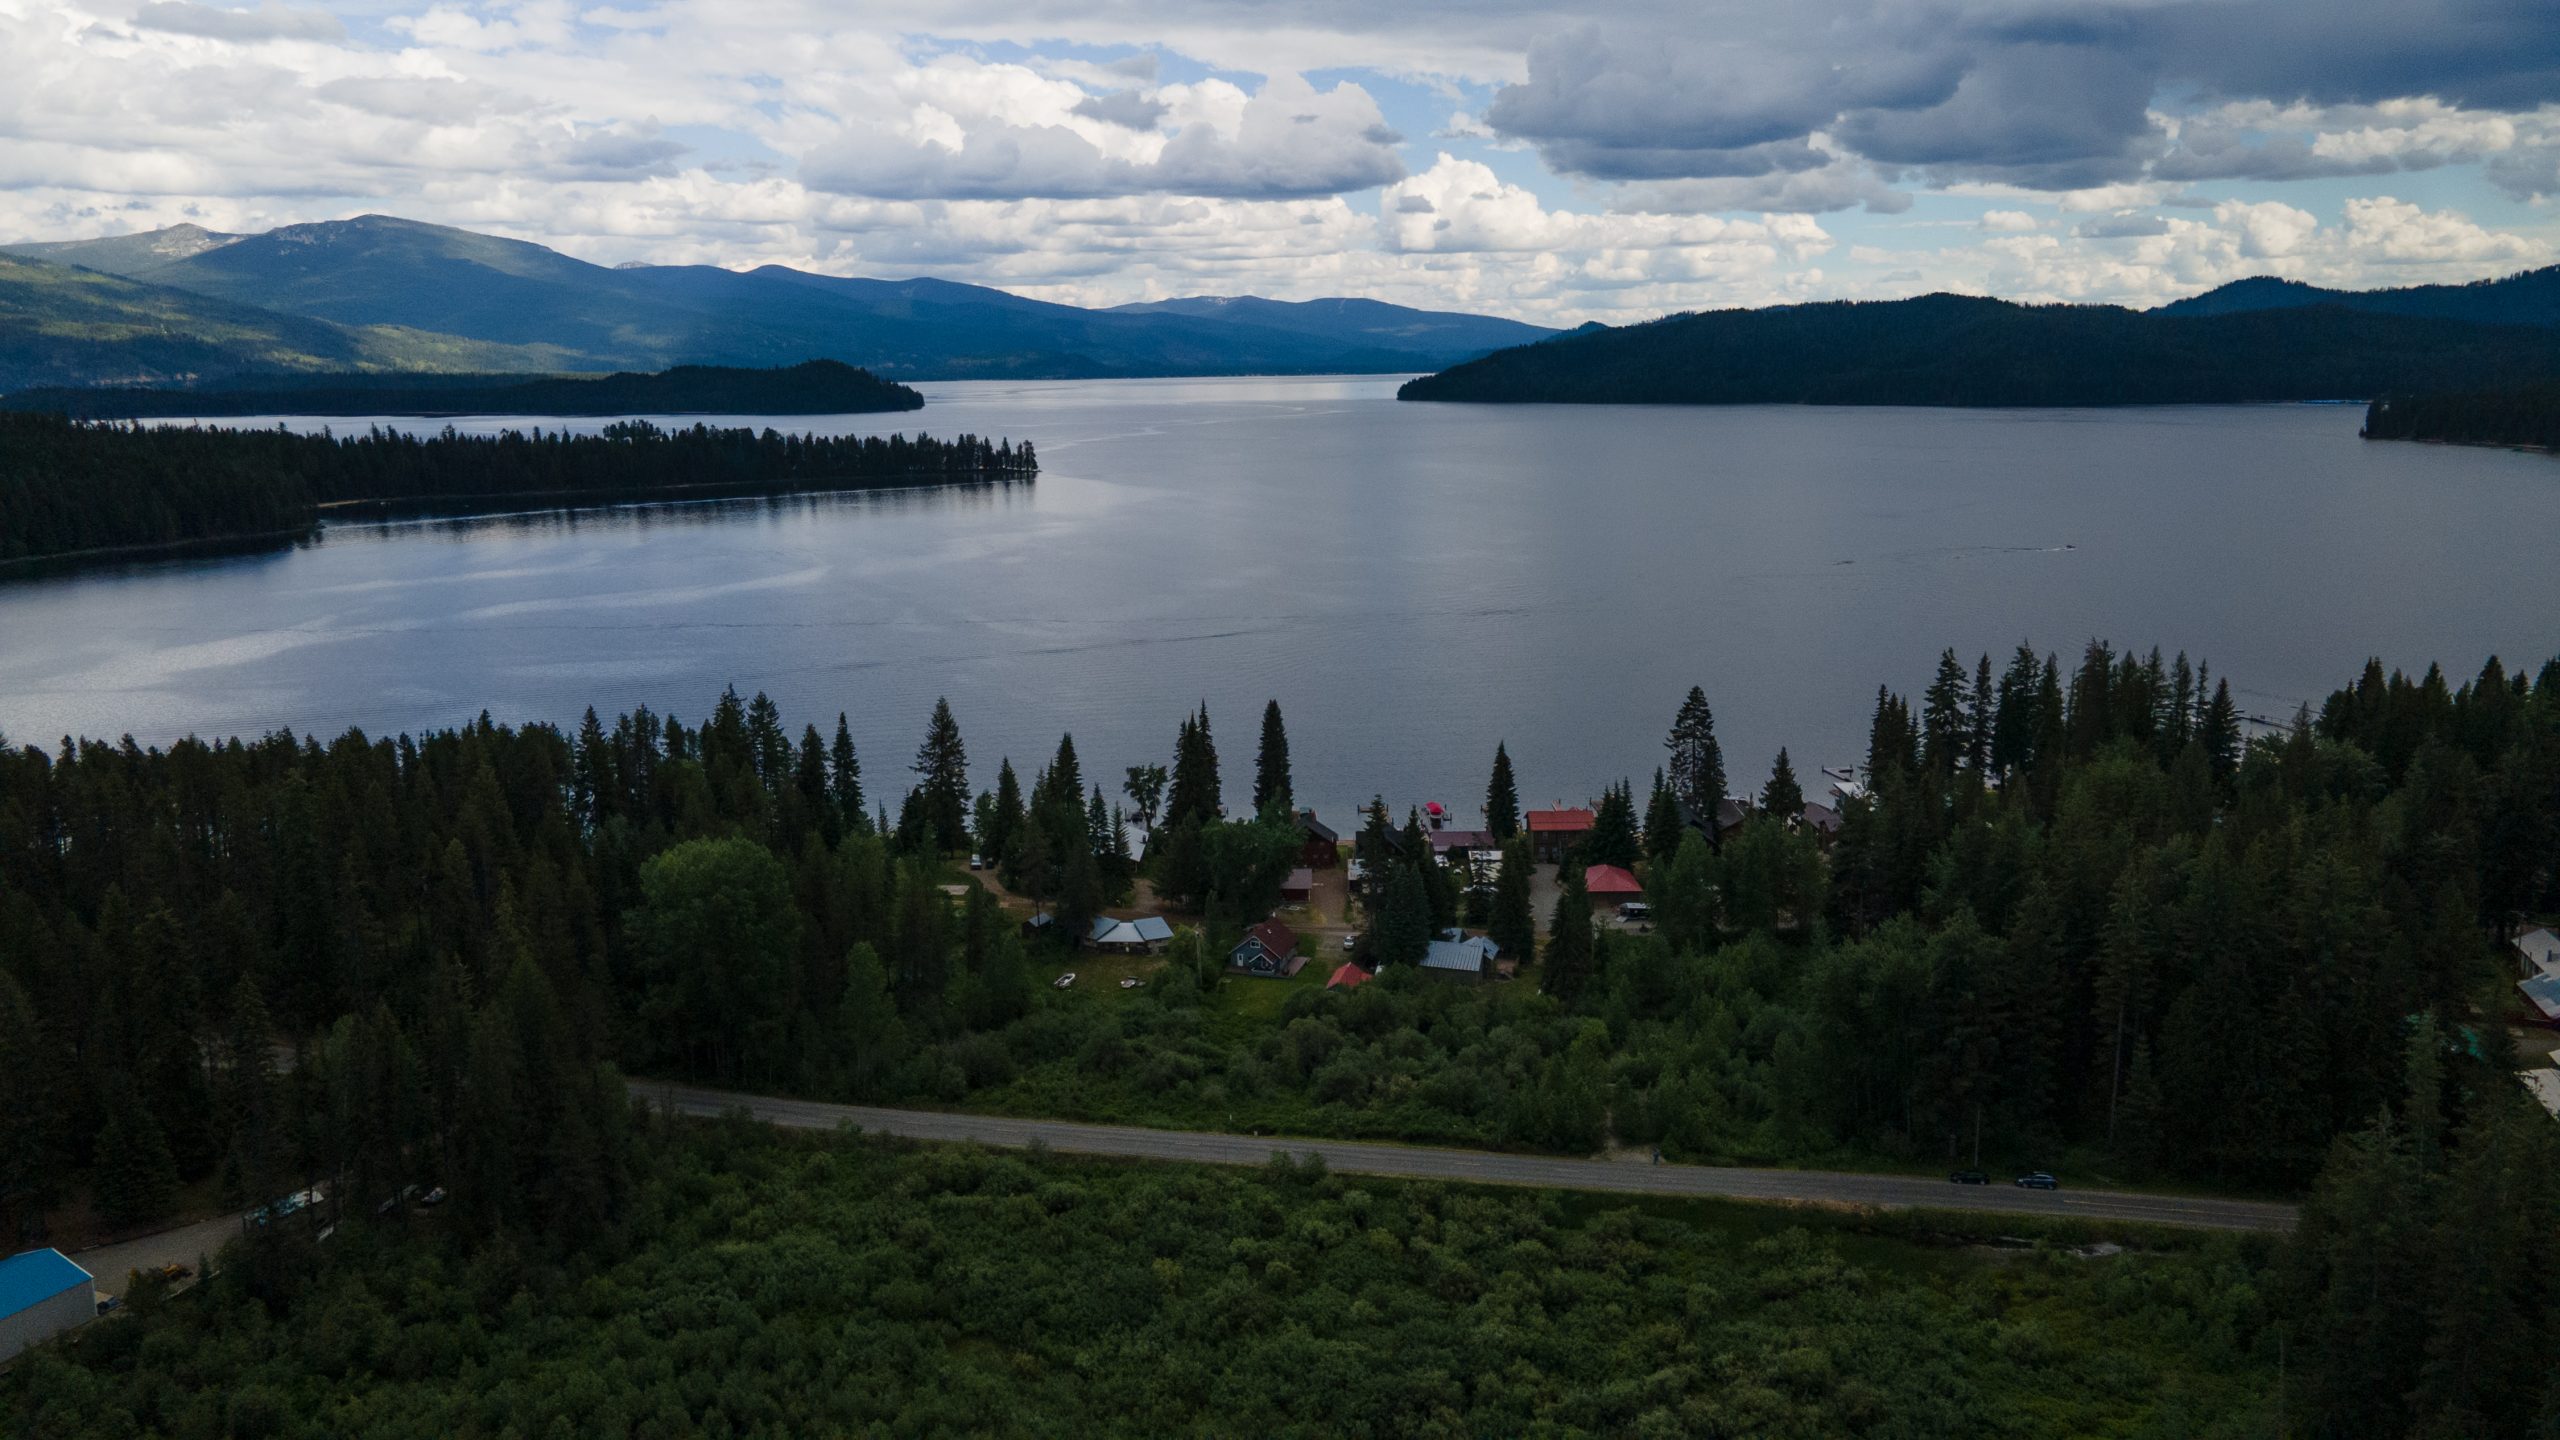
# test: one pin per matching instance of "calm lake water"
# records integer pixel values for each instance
(1412, 582)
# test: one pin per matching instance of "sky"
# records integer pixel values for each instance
(1608, 161)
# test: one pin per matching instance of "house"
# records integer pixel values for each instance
(1268, 949)
(42, 1294)
(2545, 1085)
(1553, 832)
(1318, 847)
(1130, 937)
(1470, 957)
(1351, 976)
(1454, 847)
(1300, 887)
(1823, 821)
(2543, 993)
(1611, 886)
(2540, 951)
(1845, 782)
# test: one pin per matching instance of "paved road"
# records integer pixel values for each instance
(1885, 1192)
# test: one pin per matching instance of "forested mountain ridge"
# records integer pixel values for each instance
(377, 270)
(62, 325)
(1963, 350)
(813, 387)
(2529, 297)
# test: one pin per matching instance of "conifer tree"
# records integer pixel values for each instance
(2219, 731)
(1513, 923)
(1568, 963)
(942, 763)
(1006, 816)
(1193, 796)
(1946, 731)
(1663, 830)
(1697, 761)
(1613, 839)
(1271, 785)
(1400, 924)
(1782, 799)
(1979, 716)
(135, 1175)
(1502, 798)
(844, 779)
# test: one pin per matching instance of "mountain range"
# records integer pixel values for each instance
(376, 292)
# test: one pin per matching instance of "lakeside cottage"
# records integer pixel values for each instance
(1553, 832)
(1318, 847)
(1460, 955)
(1140, 936)
(1269, 949)
(1611, 886)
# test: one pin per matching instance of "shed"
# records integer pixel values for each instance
(1268, 949)
(1553, 832)
(1351, 975)
(1611, 885)
(42, 1294)
(1300, 887)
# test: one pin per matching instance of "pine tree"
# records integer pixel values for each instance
(844, 779)
(1271, 785)
(1569, 963)
(1946, 731)
(1502, 798)
(1663, 829)
(1514, 922)
(1697, 761)
(1194, 793)
(1979, 715)
(2219, 731)
(1613, 839)
(1782, 799)
(942, 762)
(1400, 924)
(1005, 818)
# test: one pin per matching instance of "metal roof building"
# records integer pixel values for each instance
(42, 1294)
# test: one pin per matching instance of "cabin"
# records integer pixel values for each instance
(1553, 832)
(1269, 949)
(1351, 976)
(1452, 847)
(1318, 847)
(1300, 887)
(42, 1294)
(1140, 936)
(1611, 886)
(2542, 992)
(1823, 821)
(2539, 949)
(1460, 956)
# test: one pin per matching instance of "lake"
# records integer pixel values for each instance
(1412, 582)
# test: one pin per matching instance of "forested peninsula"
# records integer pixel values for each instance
(2074, 919)
(1963, 351)
(2525, 416)
(77, 487)
(814, 387)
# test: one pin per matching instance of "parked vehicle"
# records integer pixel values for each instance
(2038, 1180)
(112, 1302)
(977, 861)
(173, 1272)
(1969, 1177)
(1350, 943)
(1635, 912)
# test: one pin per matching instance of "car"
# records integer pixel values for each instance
(173, 1272)
(112, 1302)
(976, 861)
(1064, 981)
(1350, 943)
(2038, 1180)
(1635, 912)
(1968, 1177)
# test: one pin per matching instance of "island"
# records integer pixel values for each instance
(812, 387)
(71, 488)
(2525, 417)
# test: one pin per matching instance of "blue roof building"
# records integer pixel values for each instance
(42, 1294)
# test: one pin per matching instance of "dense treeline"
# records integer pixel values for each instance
(821, 1286)
(2076, 922)
(2527, 415)
(1958, 350)
(813, 387)
(67, 486)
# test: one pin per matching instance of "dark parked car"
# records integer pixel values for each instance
(1969, 1177)
(2038, 1180)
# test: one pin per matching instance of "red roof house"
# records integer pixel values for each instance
(1616, 882)
(1348, 976)
(1552, 832)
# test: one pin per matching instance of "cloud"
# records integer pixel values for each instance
(270, 21)
(1129, 109)
(2007, 222)
(1288, 139)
